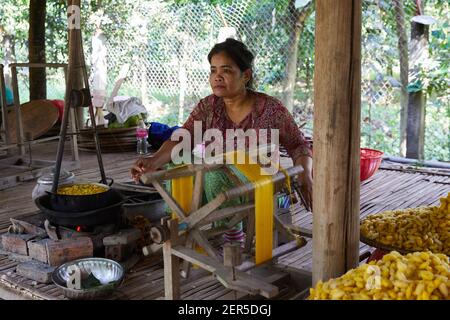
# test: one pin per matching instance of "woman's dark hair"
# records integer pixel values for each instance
(238, 52)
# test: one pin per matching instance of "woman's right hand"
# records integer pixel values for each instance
(141, 166)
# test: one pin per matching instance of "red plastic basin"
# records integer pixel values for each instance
(370, 162)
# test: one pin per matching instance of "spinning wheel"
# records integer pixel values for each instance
(186, 229)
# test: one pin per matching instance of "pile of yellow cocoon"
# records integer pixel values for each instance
(415, 276)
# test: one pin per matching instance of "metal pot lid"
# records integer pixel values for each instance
(47, 176)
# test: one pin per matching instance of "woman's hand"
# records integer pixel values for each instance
(306, 186)
(141, 166)
(153, 163)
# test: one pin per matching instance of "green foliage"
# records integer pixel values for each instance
(379, 128)
(437, 129)
(212, 2)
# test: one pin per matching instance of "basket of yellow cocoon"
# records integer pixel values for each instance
(414, 276)
(410, 230)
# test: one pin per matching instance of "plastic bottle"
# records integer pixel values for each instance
(141, 138)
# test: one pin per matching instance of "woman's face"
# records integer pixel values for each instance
(226, 79)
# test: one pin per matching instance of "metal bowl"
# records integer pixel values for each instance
(108, 272)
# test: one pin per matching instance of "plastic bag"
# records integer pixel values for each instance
(125, 107)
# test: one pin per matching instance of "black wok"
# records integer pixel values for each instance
(107, 215)
(81, 203)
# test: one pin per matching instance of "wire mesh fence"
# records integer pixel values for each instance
(166, 44)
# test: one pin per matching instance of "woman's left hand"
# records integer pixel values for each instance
(306, 186)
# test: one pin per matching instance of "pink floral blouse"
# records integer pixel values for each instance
(268, 113)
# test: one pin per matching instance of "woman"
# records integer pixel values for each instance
(234, 105)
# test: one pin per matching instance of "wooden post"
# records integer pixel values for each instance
(36, 49)
(402, 45)
(171, 264)
(336, 137)
(3, 105)
(415, 132)
(19, 123)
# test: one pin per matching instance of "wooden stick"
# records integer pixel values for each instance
(186, 267)
(171, 264)
(134, 188)
(238, 218)
(250, 232)
(226, 212)
(203, 242)
(3, 105)
(277, 179)
(179, 172)
(198, 191)
(170, 201)
(197, 216)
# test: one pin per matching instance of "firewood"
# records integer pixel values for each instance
(16, 243)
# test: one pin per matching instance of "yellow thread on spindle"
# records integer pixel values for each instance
(264, 191)
(182, 189)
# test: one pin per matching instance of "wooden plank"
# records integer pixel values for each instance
(207, 290)
(8, 266)
(21, 290)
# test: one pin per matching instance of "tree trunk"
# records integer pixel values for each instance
(337, 115)
(36, 47)
(403, 55)
(415, 135)
(416, 126)
(298, 18)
